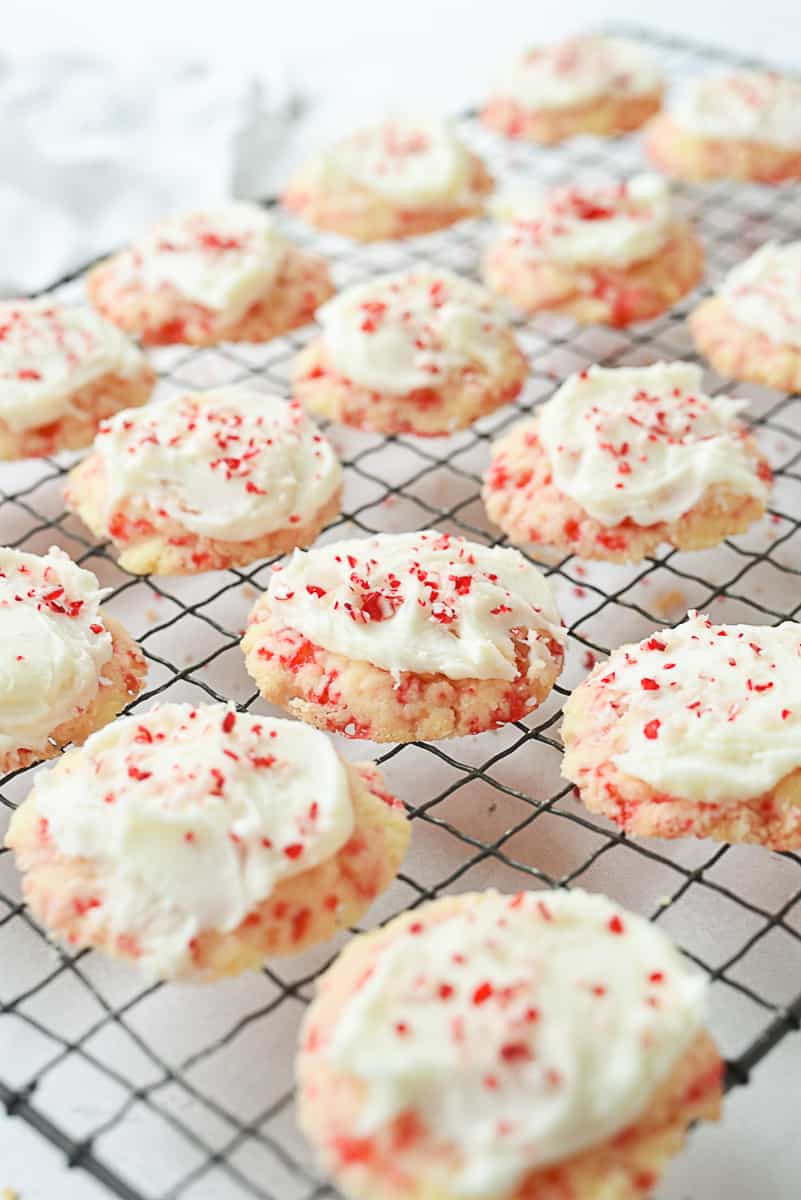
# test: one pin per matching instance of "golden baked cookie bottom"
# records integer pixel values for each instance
(161, 318)
(603, 116)
(124, 673)
(599, 295)
(741, 352)
(85, 408)
(149, 543)
(404, 1160)
(699, 159)
(521, 497)
(594, 734)
(302, 910)
(366, 216)
(455, 403)
(360, 700)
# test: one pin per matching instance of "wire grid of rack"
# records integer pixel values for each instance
(171, 1092)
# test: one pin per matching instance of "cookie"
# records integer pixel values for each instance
(398, 179)
(585, 84)
(751, 329)
(623, 459)
(207, 481)
(63, 370)
(610, 254)
(66, 669)
(694, 733)
(405, 637)
(221, 275)
(421, 351)
(548, 1045)
(744, 125)
(197, 842)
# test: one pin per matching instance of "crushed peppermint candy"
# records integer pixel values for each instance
(488, 997)
(411, 330)
(424, 602)
(223, 259)
(164, 801)
(711, 712)
(644, 444)
(610, 223)
(54, 645)
(230, 463)
(48, 352)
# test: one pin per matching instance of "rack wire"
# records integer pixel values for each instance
(170, 1092)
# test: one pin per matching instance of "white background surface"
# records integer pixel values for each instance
(353, 57)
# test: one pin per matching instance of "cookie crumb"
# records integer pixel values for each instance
(671, 601)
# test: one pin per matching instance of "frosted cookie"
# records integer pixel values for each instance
(207, 481)
(694, 732)
(547, 1045)
(751, 329)
(62, 371)
(622, 459)
(222, 275)
(609, 254)
(66, 668)
(200, 841)
(586, 84)
(397, 179)
(404, 637)
(421, 351)
(743, 125)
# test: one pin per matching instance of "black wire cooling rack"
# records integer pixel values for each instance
(166, 1092)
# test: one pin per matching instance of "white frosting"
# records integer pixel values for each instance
(644, 443)
(223, 259)
(579, 70)
(764, 292)
(408, 161)
(615, 224)
(744, 105)
(53, 645)
(412, 329)
(229, 463)
(423, 602)
(48, 352)
(191, 817)
(522, 1030)
(711, 712)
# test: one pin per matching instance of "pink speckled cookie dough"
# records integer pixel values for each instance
(400, 179)
(743, 125)
(411, 1155)
(206, 277)
(752, 328)
(608, 117)
(348, 693)
(612, 255)
(68, 668)
(455, 403)
(734, 349)
(63, 370)
(75, 897)
(584, 85)
(271, 482)
(421, 351)
(523, 497)
(699, 159)
(732, 700)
